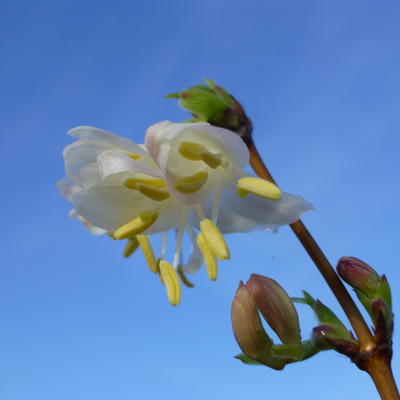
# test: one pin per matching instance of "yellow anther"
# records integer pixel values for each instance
(259, 187)
(184, 278)
(209, 258)
(214, 239)
(131, 183)
(131, 245)
(191, 150)
(171, 282)
(197, 152)
(134, 156)
(137, 225)
(212, 160)
(148, 253)
(190, 184)
(153, 193)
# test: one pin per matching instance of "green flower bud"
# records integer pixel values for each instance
(211, 103)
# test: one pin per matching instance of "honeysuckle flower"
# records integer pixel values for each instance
(187, 177)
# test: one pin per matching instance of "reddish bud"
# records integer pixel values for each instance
(276, 307)
(359, 275)
(247, 325)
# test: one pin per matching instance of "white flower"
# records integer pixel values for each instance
(188, 176)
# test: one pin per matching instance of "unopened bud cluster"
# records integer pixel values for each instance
(264, 296)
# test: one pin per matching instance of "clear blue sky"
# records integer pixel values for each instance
(320, 80)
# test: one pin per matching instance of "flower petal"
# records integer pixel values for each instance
(258, 213)
(109, 206)
(94, 230)
(167, 134)
(79, 154)
(113, 162)
(111, 139)
(67, 188)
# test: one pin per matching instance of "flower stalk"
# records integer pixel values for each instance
(373, 357)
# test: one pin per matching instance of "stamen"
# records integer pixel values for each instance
(158, 266)
(199, 211)
(137, 225)
(171, 282)
(216, 202)
(209, 258)
(153, 193)
(131, 245)
(197, 152)
(192, 183)
(259, 187)
(184, 278)
(212, 160)
(134, 156)
(148, 253)
(214, 238)
(131, 183)
(179, 237)
(163, 245)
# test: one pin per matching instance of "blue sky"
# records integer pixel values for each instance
(319, 79)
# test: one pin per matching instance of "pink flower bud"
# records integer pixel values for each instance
(359, 275)
(276, 307)
(247, 326)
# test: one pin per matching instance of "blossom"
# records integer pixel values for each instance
(187, 177)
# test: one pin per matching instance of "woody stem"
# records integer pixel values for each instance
(357, 321)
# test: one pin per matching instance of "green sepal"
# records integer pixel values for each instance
(325, 316)
(247, 360)
(309, 350)
(266, 360)
(384, 291)
(365, 301)
(291, 352)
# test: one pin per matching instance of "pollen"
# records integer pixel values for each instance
(171, 282)
(153, 193)
(209, 258)
(131, 245)
(148, 253)
(192, 183)
(259, 187)
(196, 152)
(136, 226)
(131, 183)
(214, 239)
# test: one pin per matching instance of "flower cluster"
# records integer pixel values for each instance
(187, 177)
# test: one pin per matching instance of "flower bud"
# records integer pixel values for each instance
(276, 307)
(211, 103)
(247, 326)
(359, 275)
